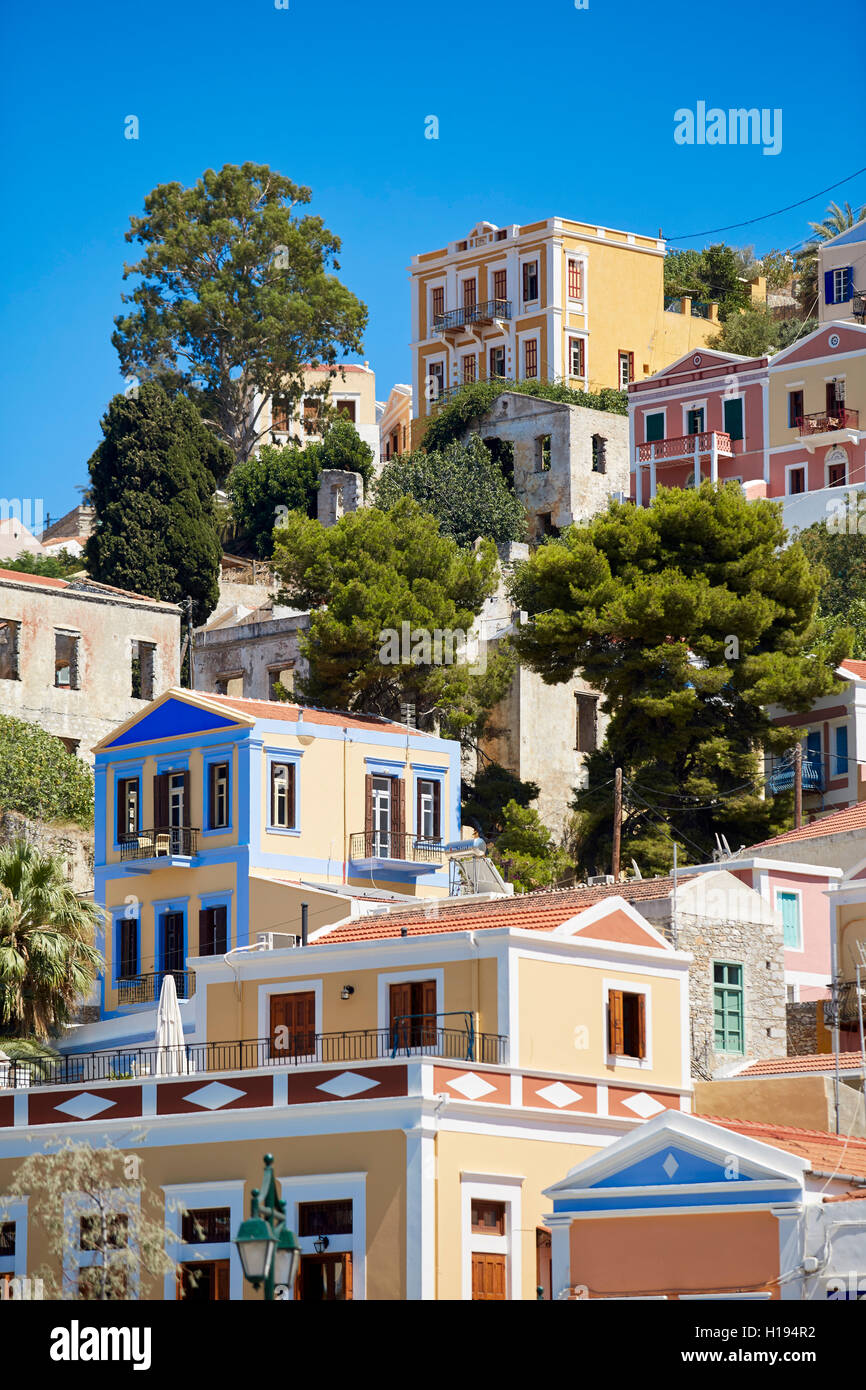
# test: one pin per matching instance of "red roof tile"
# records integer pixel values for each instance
(838, 823)
(826, 1153)
(814, 1062)
(40, 580)
(279, 709)
(543, 911)
(855, 668)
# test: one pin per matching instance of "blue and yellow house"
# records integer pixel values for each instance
(217, 818)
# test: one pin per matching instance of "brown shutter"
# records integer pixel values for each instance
(615, 1032)
(437, 810)
(428, 1009)
(400, 1006)
(347, 1276)
(221, 1281)
(290, 809)
(187, 809)
(160, 800)
(211, 792)
(418, 830)
(398, 815)
(368, 810)
(119, 809)
(641, 1025)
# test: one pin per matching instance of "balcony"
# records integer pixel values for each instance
(684, 447)
(453, 320)
(160, 848)
(781, 778)
(406, 1038)
(145, 989)
(372, 849)
(828, 422)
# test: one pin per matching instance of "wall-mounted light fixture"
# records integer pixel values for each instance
(347, 991)
(320, 1244)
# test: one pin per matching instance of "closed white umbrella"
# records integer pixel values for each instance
(169, 1031)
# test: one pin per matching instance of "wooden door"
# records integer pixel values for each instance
(488, 1278)
(401, 1007)
(325, 1279)
(172, 943)
(204, 1281)
(293, 1025)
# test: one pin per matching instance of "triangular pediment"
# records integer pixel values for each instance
(685, 1157)
(177, 714)
(829, 340)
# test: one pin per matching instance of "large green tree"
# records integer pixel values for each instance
(366, 577)
(39, 778)
(461, 486)
(691, 617)
(235, 296)
(268, 485)
(754, 331)
(839, 559)
(152, 484)
(485, 798)
(712, 274)
(48, 957)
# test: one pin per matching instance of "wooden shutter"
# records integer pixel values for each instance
(615, 1031)
(828, 287)
(187, 809)
(347, 1276)
(290, 808)
(398, 813)
(221, 1281)
(428, 1009)
(437, 810)
(400, 1003)
(297, 1014)
(368, 809)
(419, 826)
(641, 1025)
(160, 800)
(120, 810)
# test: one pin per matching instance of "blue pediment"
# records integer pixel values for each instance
(173, 719)
(674, 1165)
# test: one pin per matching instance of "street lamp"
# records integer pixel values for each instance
(268, 1250)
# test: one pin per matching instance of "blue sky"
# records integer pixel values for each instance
(543, 110)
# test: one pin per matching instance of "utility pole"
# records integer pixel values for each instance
(617, 822)
(798, 785)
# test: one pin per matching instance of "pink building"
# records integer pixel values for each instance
(702, 417)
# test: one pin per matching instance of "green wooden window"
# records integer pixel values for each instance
(695, 421)
(655, 426)
(733, 417)
(789, 906)
(728, 1020)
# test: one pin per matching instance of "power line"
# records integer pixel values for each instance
(732, 226)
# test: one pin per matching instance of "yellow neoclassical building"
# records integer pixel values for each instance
(557, 300)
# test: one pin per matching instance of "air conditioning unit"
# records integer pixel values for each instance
(598, 880)
(275, 940)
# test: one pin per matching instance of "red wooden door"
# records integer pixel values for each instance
(293, 1024)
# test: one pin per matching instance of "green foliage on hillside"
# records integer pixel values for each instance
(461, 486)
(39, 778)
(476, 398)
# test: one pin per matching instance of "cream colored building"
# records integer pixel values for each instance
(352, 393)
(395, 424)
(556, 300)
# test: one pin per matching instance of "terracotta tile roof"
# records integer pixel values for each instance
(80, 585)
(856, 668)
(40, 580)
(859, 1192)
(279, 709)
(543, 911)
(823, 1151)
(838, 823)
(814, 1062)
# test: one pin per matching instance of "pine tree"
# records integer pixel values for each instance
(691, 617)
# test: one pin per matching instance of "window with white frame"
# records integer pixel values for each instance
(491, 1246)
(327, 1212)
(202, 1218)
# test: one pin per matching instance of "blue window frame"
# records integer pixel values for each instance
(429, 807)
(214, 923)
(283, 780)
(127, 782)
(217, 789)
(171, 941)
(841, 750)
(789, 906)
(126, 943)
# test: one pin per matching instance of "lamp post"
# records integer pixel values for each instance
(268, 1250)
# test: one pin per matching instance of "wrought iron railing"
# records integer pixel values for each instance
(375, 844)
(406, 1038)
(161, 843)
(824, 421)
(146, 988)
(485, 312)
